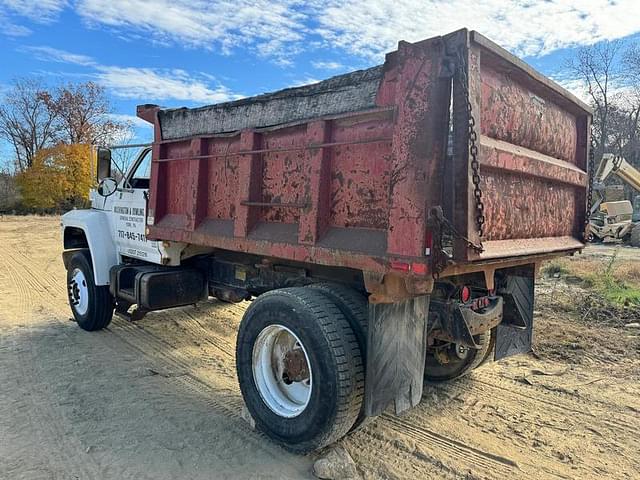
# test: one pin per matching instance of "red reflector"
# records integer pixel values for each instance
(402, 266)
(428, 242)
(419, 268)
(465, 294)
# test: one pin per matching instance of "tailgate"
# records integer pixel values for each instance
(533, 139)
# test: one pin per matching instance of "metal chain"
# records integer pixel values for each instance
(446, 226)
(473, 150)
(439, 224)
(591, 171)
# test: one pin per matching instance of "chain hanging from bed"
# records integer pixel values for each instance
(439, 223)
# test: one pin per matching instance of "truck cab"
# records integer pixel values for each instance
(125, 207)
(106, 246)
(119, 205)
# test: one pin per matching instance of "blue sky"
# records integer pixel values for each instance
(195, 52)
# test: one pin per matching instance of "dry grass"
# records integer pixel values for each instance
(615, 280)
(584, 305)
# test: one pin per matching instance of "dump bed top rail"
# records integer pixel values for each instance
(344, 93)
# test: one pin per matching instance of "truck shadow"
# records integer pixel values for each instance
(99, 405)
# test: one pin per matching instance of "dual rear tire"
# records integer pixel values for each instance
(301, 356)
(300, 367)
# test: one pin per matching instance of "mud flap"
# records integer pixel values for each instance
(515, 334)
(396, 349)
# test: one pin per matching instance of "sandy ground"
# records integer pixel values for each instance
(159, 399)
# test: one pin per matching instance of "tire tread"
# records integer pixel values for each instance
(354, 307)
(346, 355)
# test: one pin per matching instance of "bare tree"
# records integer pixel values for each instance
(632, 127)
(598, 66)
(83, 114)
(624, 127)
(26, 121)
(33, 117)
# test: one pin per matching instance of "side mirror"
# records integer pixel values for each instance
(104, 163)
(107, 186)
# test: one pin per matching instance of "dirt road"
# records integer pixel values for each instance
(159, 399)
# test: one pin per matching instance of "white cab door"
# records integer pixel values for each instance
(130, 212)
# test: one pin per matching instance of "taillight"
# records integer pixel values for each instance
(465, 294)
(402, 266)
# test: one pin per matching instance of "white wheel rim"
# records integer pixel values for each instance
(79, 292)
(273, 352)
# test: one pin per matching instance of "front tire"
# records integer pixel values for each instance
(91, 304)
(299, 368)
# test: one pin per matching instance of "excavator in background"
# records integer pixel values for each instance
(617, 220)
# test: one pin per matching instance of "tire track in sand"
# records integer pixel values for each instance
(456, 451)
(44, 419)
(543, 399)
(176, 367)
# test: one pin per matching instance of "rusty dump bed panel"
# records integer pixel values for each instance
(344, 172)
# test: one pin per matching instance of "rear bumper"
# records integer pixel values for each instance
(458, 323)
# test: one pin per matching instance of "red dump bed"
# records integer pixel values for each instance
(345, 171)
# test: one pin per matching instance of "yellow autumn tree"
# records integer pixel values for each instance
(59, 178)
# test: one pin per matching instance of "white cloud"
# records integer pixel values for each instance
(322, 65)
(11, 29)
(151, 84)
(618, 92)
(41, 11)
(143, 84)
(38, 11)
(303, 81)
(369, 28)
(136, 122)
(270, 26)
(50, 54)
(281, 29)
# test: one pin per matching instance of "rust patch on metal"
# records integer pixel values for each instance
(521, 207)
(295, 366)
(222, 176)
(285, 176)
(177, 178)
(514, 114)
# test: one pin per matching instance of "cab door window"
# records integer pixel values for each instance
(139, 178)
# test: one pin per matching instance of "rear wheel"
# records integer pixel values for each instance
(451, 361)
(299, 368)
(91, 304)
(354, 307)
